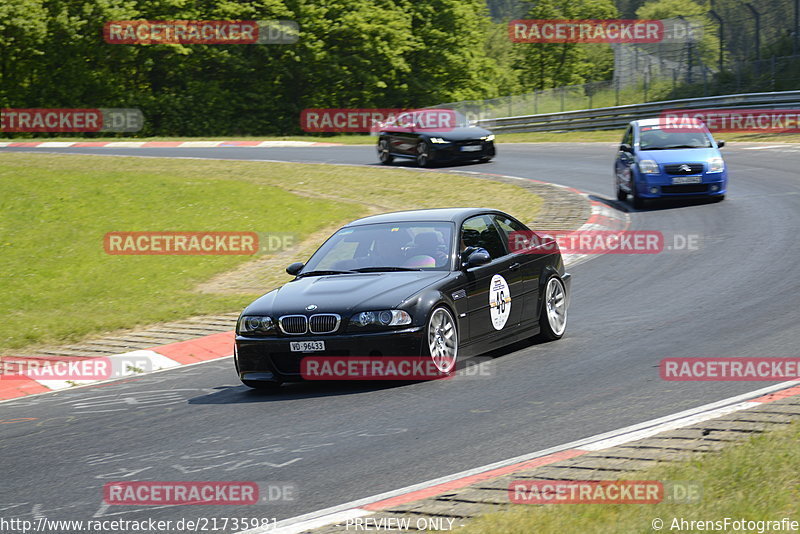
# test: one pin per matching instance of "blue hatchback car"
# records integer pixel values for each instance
(661, 161)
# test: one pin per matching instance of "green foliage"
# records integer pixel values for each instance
(555, 64)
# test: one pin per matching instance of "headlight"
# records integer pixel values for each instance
(250, 325)
(489, 137)
(439, 140)
(648, 166)
(382, 318)
(716, 165)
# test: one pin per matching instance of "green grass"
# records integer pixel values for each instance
(60, 285)
(756, 480)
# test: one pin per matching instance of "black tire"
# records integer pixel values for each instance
(450, 359)
(424, 155)
(384, 155)
(719, 198)
(547, 332)
(263, 385)
(485, 159)
(622, 196)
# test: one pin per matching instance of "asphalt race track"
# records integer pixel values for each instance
(737, 295)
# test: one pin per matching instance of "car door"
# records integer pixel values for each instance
(402, 138)
(525, 270)
(625, 160)
(493, 299)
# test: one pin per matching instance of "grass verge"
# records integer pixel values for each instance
(756, 480)
(55, 209)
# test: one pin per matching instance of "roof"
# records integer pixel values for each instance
(436, 215)
(661, 121)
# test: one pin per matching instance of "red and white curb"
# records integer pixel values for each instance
(370, 505)
(161, 144)
(131, 364)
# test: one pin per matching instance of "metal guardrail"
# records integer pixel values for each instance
(619, 116)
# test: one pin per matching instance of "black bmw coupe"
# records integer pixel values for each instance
(439, 284)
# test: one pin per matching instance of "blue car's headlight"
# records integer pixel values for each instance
(648, 166)
(255, 325)
(716, 165)
(381, 318)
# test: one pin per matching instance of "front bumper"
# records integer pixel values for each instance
(269, 358)
(661, 186)
(453, 151)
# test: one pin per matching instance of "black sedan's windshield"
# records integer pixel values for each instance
(652, 138)
(390, 247)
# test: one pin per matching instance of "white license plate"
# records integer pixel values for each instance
(306, 346)
(470, 148)
(687, 179)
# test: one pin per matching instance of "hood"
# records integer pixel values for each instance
(344, 293)
(463, 133)
(679, 155)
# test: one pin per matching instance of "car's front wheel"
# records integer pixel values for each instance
(424, 155)
(622, 196)
(553, 317)
(383, 152)
(442, 338)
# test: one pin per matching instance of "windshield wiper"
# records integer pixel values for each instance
(384, 269)
(322, 273)
(684, 146)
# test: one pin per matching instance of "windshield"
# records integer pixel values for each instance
(424, 246)
(654, 138)
(432, 120)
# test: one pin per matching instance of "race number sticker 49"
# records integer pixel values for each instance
(499, 301)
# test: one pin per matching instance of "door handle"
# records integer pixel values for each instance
(514, 266)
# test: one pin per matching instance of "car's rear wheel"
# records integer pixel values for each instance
(442, 340)
(553, 318)
(423, 153)
(383, 152)
(262, 385)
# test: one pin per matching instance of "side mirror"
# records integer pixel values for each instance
(720, 143)
(625, 147)
(295, 268)
(478, 258)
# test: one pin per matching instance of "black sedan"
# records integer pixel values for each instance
(437, 285)
(433, 135)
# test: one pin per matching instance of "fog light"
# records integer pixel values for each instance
(654, 190)
(715, 188)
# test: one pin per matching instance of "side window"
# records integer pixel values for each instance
(627, 139)
(511, 231)
(481, 233)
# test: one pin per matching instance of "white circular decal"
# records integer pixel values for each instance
(499, 301)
